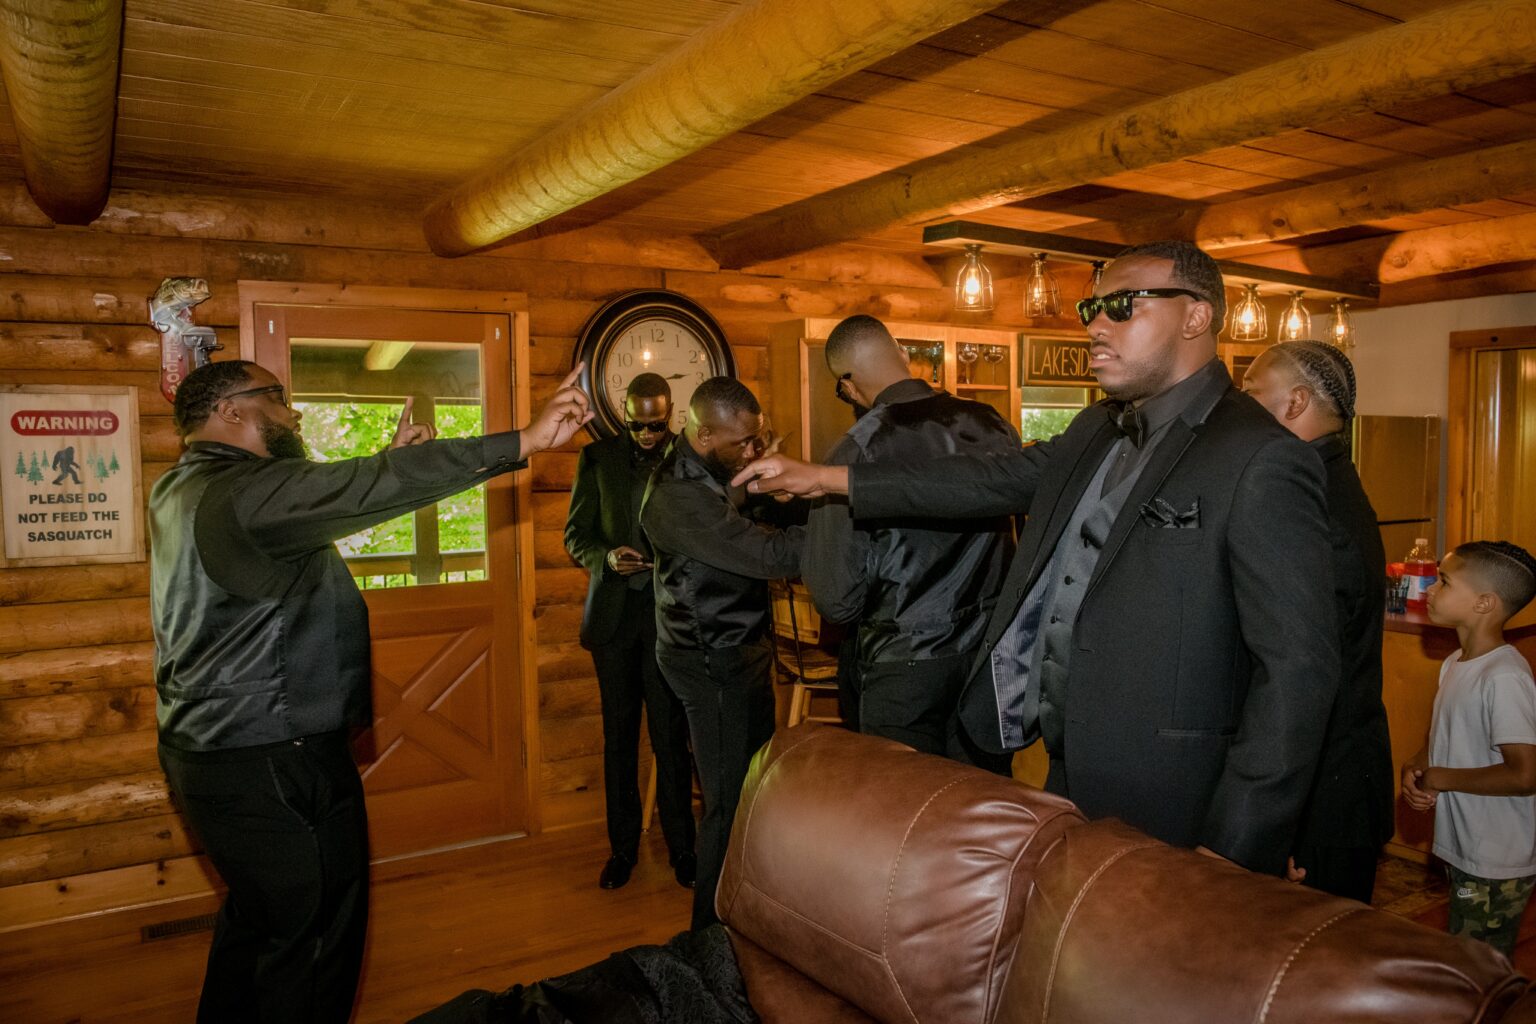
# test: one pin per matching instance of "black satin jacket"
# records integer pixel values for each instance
(713, 562)
(919, 587)
(260, 632)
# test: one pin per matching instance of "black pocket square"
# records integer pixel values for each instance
(1160, 514)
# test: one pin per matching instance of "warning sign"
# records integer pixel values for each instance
(69, 475)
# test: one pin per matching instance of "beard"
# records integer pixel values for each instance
(282, 442)
(717, 466)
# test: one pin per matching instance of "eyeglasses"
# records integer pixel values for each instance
(648, 426)
(1119, 306)
(838, 387)
(270, 389)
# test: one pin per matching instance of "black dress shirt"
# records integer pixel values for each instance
(919, 588)
(712, 561)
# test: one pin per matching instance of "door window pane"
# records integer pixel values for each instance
(351, 394)
(1046, 411)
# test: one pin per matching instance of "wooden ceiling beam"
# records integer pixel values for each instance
(60, 62)
(755, 61)
(1409, 188)
(1457, 47)
(1414, 254)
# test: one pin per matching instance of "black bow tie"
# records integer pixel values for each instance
(1130, 423)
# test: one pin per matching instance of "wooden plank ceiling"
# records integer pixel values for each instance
(402, 100)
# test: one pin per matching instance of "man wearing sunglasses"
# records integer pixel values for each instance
(1166, 627)
(261, 668)
(618, 625)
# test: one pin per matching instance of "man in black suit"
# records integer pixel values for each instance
(1309, 388)
(713, 561)
(1167, 625)
(618, 625)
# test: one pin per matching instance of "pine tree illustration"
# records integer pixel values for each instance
(21, 464)
(35, 473)
(100, 467)
(114, 467)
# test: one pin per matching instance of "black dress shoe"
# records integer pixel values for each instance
(685, 866)
(616, 872)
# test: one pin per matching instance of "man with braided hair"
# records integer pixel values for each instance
(1478, 770)
(1309, 387)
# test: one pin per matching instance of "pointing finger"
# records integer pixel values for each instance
(572, 377)
(752, 471)
(405, 414)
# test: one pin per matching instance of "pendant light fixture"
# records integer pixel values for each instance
(973, 288)
(1041, 295)
(1095, 277)
(1296, 324)
(1249, 321)
(1341, 329)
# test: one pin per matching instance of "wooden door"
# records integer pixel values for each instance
(445, 762)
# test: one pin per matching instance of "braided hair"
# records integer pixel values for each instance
(1504, 568)
(1324, 371)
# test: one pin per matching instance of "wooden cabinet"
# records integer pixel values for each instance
(802, 391)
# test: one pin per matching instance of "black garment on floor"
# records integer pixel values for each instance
(693, 979)
(286, 828)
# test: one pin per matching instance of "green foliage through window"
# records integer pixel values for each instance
(345, 430)
(1044, 424)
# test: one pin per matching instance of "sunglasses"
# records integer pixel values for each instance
(838, 387)
(648, 426)
(1119, 306)
(270, 389)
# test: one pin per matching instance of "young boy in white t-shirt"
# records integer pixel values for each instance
(1478, 769)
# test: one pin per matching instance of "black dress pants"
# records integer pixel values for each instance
(1348, 871)
(912, 702)
(728, 697)
(627, 676)
(286, 828)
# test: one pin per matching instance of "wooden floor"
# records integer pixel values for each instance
(485, 917)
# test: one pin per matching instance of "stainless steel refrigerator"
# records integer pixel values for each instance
(1399, 462)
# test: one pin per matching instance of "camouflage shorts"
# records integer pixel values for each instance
(1489, 909)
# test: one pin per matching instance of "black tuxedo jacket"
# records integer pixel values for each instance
(1353, 797)
(601, 518)
(1205, 654)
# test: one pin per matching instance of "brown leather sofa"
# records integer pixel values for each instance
(867, 882)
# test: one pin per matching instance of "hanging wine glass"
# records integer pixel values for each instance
(966, 355)
(992, 355)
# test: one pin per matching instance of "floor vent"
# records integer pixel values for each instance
(171, 929)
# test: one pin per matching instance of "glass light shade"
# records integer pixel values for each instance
(1041, 295)
(1094, 279)
(973, 288)
(1341, 329)
(1296, 324)
(1249, 321)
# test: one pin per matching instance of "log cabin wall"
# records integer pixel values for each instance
(85, 823)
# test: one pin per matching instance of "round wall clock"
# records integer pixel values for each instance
(648, 331)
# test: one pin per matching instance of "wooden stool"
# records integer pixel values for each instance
(811, 670)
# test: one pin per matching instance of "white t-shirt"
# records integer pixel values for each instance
(1482, 703)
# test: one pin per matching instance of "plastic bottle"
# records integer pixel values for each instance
(1421, 571)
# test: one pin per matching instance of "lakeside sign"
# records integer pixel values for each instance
(1057, 361)
(69, 475)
